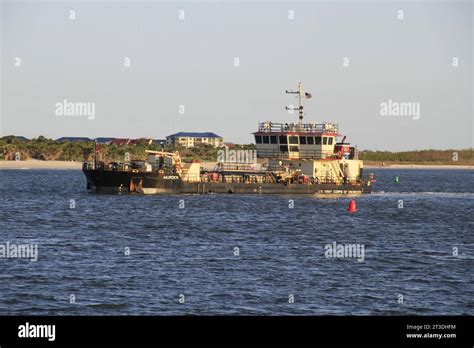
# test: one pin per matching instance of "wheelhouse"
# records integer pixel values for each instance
(296, 140)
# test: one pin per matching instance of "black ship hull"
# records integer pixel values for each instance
(107, 181)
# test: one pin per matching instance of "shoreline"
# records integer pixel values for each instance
(39, 164)
(419, 166)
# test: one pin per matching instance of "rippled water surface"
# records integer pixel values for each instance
(191, 251)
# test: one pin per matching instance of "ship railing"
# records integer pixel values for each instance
(120, 166)
(330, 179)
(274, 168)
(312, 154)
(114, 166)
(272, 127)
(294, 177)
(235, 167)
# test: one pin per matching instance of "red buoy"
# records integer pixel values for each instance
(352, 206)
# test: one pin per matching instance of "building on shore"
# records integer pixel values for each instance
(114, 141)
(11, 138)
(229, 145)
(192, 139)
(140, 141)
(103, 140)
(73, 139)
(120, 141)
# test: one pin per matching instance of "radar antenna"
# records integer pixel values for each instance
(301, 94)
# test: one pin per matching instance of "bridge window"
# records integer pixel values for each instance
(330, 140)
(317, 140)
(310, 140)
(266, 140)
(273, 139)
(294, 149)
(293, 140)
(325, 140)
(303, 140)
(283, 139)
(258, 139)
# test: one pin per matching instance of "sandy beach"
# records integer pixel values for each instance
(38, 164)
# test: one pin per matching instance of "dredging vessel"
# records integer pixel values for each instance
(301, 158)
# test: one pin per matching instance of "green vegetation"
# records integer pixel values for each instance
(47, 149)
(459, 157)
(42, 148)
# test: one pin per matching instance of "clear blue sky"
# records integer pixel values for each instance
(190, 62)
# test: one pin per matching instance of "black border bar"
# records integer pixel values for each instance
(291, 330)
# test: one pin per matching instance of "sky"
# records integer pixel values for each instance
(153, 68)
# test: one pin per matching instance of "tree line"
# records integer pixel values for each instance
(452, 156)
(42, 148)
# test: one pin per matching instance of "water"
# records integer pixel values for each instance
(190, 251)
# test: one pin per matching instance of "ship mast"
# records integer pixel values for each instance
(301, 94)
